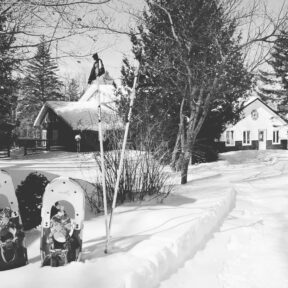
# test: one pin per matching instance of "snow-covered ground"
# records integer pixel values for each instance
(180, 241)
(251, 248)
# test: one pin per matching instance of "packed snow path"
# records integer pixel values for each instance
(251, 248)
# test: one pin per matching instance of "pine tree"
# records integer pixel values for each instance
(279, 60)
(41, 82)
(272, 86)
(72, 91)
(269, 88)
(8, 64)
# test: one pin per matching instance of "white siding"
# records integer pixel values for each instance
(267, 120)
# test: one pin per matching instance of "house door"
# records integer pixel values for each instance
(262, 140)
(55, 137)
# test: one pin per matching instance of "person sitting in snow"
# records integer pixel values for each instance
(97, 69)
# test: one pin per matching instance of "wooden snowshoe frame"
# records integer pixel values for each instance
(63, 188)
(20, 252)
(7, 189)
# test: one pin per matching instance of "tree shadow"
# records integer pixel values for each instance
(34, 259)
(117, 245)
(95, 247)
(171, 201)
(31, 236)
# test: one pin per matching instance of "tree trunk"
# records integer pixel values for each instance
(176, 152)
(184, 167)
(180, 141)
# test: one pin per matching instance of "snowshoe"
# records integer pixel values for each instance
(61, 233)
(13, 252)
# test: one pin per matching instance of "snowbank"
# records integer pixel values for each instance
(150, 241)
(250, 250)
(169, 241)
(165, 252)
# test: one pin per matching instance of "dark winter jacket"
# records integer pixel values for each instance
(94, 72)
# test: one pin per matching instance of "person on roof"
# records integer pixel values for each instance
(97, 69)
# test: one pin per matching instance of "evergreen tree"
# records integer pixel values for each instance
(272, 87)
(41, 82)
(269, 88)
(191, 67)
(72, 91)
(279, 60)
(8, 64)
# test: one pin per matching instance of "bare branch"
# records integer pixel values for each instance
(59, 4)
(170, 20)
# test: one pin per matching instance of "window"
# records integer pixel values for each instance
(246, 138)
(44, 137)
(230, 138)
(276, 139)
(254, 114)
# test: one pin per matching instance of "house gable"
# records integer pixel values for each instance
(259, 104)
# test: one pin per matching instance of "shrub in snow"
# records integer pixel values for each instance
(142, 174)
(201, 153)
(29, 194)
(204, 152)
(94, 198)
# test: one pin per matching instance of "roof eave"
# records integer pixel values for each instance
(40, 116)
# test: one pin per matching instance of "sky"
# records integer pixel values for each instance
(112, 47)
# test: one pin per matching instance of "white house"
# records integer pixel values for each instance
(260, 127)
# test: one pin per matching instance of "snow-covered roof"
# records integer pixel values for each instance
(81, 115)
(106, 92)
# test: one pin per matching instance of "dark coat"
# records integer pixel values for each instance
(93, 75)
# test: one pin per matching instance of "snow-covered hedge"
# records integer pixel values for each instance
(142, 175)
(29, 194)
(169, 250)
